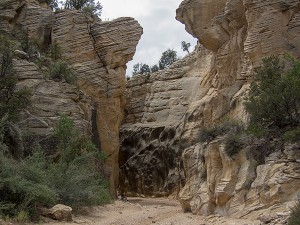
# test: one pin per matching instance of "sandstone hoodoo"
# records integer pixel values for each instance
(161, 148)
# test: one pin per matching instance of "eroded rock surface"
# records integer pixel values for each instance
(98, 51)
(206, 88)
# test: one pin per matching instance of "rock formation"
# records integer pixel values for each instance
(98, 51)
(166, 110)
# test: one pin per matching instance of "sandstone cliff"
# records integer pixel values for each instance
(160, 148)
(98, 51)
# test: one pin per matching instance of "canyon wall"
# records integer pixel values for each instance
(161, 152)
(98, 52)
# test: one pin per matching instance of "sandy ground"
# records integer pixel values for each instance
(144, 211)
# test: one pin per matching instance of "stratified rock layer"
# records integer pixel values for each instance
(203, 89)
(98, 51)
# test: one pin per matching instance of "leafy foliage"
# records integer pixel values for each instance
(274, 96)
(295, 215)
(168, 58)
(6, 53)
(22, 185)
(55, 51)
(60, 70)
(38, 181)
(227, 127)
(292, 135)
(140, 68)
(233, 130)
(233, 144)
(185, 46)
(95, 8)
(154, 68)
(75, 177)
(256, 131)
(11, 98)
(52, 3)
(27, 44)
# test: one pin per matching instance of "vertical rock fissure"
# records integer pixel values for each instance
(94, 41)
(95, 131)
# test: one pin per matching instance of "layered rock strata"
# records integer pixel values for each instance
(98, 52)
(208, 88)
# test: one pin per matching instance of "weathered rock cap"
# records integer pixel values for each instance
(116, 40)
(203, 19)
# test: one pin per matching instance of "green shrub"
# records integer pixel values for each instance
(60, 70)
(65, 132)
(7, 48)
(77, 183)
(36, 180)
(21, 217)
(11, 98)
(27, 44)
(292, 135)
(294, 218)
(75, 177)
(55, 51)
(233, 144)
(52, 3)
(22, 186)
(274, 96)
(208, 134)
(256, 131)
(95, 8)
(227, 127)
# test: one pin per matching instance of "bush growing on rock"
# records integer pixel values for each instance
(185, 46)
(6, 51)
(11, 99)
(95, 8)
(141, 68)
(168, 58)
(207, 134)
(52, 3)
(60, 70)
(154, 68)
(233, 144)
(234, 131)
(55, 51)
(274, 96)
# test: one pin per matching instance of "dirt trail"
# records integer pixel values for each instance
(145, 211)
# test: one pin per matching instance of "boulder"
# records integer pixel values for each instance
(58, 212)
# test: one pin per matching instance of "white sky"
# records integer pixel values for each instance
(161, 29)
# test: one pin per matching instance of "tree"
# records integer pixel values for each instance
(140, 68)
(145, 69)
(52, 3)
(95, 8)
(168, 58)
(274, 95)
(136, 69)
(11, 98)
(154, 68)
(185, 46)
